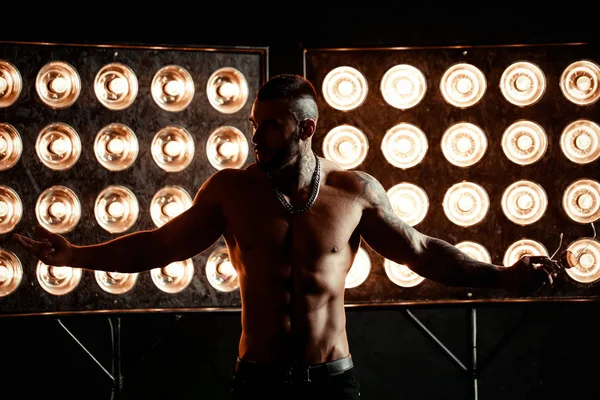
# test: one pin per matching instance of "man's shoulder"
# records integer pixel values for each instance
(353, 180)
(227, 178)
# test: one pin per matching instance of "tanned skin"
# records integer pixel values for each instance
(291, 268)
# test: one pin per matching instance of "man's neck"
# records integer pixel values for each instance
(298, 174)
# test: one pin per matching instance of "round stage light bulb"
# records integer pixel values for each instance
(118, 85)
(463, 85)
(172, 209)
(116, 209)
(524, 202)
(401, 275)
(228, 89)
(464, 144)
(583, 257)
(580, 82)
(345, 88)
(173, 88)
(409, 202)
(172, 148)
(466, 203)
(115, 146)
(581, 200)
(523, 83)
(404, 145)
(58, 85)
(346, 145)
(57, 209)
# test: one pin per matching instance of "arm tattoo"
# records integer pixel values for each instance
(430, 257)
(446, 264)
(374, 193)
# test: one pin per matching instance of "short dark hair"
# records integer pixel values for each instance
(295, 89)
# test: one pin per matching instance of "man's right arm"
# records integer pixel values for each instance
(182, 237)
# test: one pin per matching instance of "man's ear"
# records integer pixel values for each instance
(309, 126)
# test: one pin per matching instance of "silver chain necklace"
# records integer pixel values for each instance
(316, 184)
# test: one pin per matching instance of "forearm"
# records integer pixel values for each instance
(130, 253)
(444, 263)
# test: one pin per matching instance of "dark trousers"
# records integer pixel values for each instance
(335, 380)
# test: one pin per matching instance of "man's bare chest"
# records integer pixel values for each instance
(259, 222)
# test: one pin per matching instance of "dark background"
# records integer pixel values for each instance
(526, 350)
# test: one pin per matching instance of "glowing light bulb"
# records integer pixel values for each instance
(173, 88)
(226, 268)
(172, 209)
(59, 273)
(173, 270)
(585, 201)
(583, 83)
(464, 85)
(115, 275)
(3, 84)
(465, 203)
(404, 87)
(118, 85)
(345, 88)
(172, 148)
(403, 146)
(115, 146)
(58, 85)
(405, 205)
(583, 142)
(3, 209)
(463, 144)
(524, 202)
(3, 145)
(59, 146)
(228, 90)
(523, 83)
(57, 209)
(524, 142)
(228, 149)
(116, 209)
(345, 148)
(4, 273)
(586, 260)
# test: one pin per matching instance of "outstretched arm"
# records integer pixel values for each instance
(434, 258)
(184, 236)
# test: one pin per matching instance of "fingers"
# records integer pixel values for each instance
(537, 259)
(32, 246)
(545, 274)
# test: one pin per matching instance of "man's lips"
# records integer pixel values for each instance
(260, 151)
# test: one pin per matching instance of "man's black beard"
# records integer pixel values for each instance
(281, 157)
(275, 163)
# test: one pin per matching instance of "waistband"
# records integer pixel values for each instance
(308, 373)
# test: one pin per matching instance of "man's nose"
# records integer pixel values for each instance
(257, 137)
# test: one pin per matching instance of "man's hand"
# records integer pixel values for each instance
(531, 273)
(53, 249)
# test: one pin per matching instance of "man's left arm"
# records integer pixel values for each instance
(434, 258)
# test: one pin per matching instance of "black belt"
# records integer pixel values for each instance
(308, 373)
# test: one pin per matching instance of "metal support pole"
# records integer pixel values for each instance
(473, 347)
(115, 335)
(115, 326)
(86, 350)
(413, 318)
